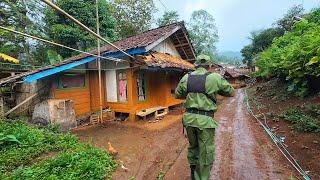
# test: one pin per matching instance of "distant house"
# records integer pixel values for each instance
(128, 87)
(235, 77)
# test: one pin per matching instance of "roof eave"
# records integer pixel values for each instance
(155, 43)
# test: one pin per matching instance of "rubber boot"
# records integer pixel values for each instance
(192, 168)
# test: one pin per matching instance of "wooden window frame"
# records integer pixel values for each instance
(145, 86)
(118, 91)
(59, 84)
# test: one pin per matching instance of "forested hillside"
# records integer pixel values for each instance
(291, 53)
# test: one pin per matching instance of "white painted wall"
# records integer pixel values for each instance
(111, 85)
(166, 46)
(108, 64)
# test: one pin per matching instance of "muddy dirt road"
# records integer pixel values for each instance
(243, 151)
(148, 150)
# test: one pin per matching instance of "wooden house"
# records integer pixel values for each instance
(129, 87)
(235, 77)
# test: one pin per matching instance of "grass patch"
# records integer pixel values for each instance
(305, 118)
(160, 175)
(75, 160)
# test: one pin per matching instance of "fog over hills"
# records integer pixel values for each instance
(229, 57)
(230, 54)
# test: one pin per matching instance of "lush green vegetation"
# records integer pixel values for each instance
(118, 19)
(22, 147)
(60, 29)
(295, 55)
(290, 50)
(305, 119)
(262, 39)
(203, 32)
(168, 17)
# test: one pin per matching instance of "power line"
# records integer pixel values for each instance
(83, 26)
(165, 7)
(60, 45)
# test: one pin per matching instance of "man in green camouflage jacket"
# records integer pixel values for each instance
(199, 89)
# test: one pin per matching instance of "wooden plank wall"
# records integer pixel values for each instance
(94, 90)
(86, 99)
(80, 96)
(125, 106)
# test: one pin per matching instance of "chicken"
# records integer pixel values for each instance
(112, 151)
(123, 167)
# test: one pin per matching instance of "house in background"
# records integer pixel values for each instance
(162, 57)
(235, 77)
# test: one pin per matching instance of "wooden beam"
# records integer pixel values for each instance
(99, 64)
(180, 45)
(191, 47)
(23, 102)
(181, 48)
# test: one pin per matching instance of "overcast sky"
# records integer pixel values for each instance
(235, 19)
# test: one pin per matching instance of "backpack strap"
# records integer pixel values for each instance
(197, 84)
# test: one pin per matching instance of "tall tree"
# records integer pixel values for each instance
(203, 32)
(262, 39)
(168, 17)
(21, 16)
(288, 20)
(133, 16)
(62, 30)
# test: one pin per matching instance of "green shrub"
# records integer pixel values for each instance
(83, 162)
(7, 139)
(294, 56)
(302, 121)
(75, 160)
(33, 141)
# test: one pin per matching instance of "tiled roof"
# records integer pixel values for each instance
(162, 60)
(140, 40)
(233, 73)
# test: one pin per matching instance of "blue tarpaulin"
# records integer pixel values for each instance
(57, 69)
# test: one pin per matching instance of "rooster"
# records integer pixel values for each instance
(112, 151)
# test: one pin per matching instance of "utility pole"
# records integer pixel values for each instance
(99, 64)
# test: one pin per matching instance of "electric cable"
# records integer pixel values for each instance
(51, 4)
(277, 141)
(61, 45)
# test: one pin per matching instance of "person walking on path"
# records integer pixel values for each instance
(199, 89)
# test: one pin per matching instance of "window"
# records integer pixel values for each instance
(71, 80)
(174, 81)
(122, 86)
(141, 85)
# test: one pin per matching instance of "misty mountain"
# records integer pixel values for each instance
(229, 57)
(230, 54)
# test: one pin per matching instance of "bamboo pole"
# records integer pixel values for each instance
(23, 102)
(99, 64)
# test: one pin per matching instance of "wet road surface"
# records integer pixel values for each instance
(243, 151)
